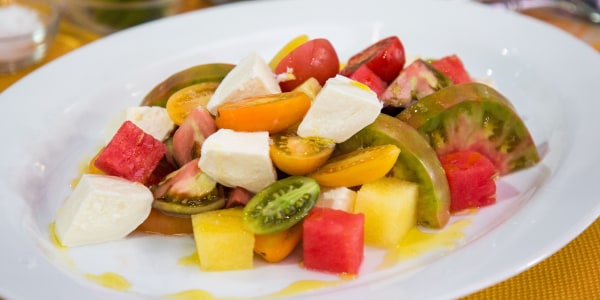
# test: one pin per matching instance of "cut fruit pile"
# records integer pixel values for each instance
(257, 160)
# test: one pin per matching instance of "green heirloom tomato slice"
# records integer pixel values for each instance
(474, 116)
(159, 95)
(417, 162)
(280, 205)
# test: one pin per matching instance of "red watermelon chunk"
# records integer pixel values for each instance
(367, 77)
(471, 177)
(333, 241)
(452, 67)
(131, 154)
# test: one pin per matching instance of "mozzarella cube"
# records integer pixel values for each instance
(238, 159)
(102, 208)
(341, 109)
(250, 77)
(153, 120)
(341, 198)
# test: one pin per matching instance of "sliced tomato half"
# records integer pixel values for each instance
(386, 58)
(316, 58)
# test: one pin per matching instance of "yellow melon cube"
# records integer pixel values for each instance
(390, 208)
(221, 241)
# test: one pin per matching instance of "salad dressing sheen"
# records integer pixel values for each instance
(190, 260)
(417, 242)
(110, 280)
(191, 295)
(414, 244)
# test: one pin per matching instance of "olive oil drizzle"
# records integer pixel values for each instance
(110, 280)
(418, 242)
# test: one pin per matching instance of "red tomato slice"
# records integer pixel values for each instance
(452, 67)
(364, 75)
(385, 58)
(316, 58)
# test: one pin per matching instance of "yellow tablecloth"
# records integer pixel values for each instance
(571, 273)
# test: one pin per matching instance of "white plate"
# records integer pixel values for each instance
(53, 120)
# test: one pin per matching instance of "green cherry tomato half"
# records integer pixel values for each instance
(280, 205)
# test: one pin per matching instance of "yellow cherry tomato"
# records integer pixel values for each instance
(182, 102)
(296, 155)
(357, 167)
(273, 113)
(291, 45)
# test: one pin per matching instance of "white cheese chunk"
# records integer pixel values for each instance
(341, 109)
(238, 159)
(102, 208)
(250, 77)
(153, 120)
(341, 198)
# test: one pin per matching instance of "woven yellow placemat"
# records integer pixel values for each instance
(571, 273)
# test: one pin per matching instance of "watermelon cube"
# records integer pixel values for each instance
(333, 241)
(131, 154)
(367, 77)
(471, 178)
(452, 67)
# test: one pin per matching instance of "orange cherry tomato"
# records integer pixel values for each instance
(92, 169)
(274, 247)
(296, 155)
(357, 167)
(273, 113)
(161, 223)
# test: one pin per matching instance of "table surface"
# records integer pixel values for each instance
(571, 273)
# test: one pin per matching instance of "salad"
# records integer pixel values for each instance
(303, 152)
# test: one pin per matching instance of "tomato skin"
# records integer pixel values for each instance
(385, 58)
(316, 58)
(273, 113)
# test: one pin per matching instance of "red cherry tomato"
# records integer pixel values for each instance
(385, 58)
(316, 58)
